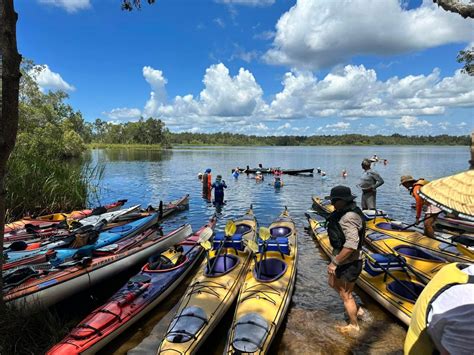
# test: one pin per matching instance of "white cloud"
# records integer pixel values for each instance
(321, 33)
(444, 125)
(49, 80)
(265, 35)
(235, 102)
(339, 125)
(123, 114)
(68, 5)
(247, 2)
(409, 122)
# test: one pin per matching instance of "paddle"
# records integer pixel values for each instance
(205, 235)
(207, 246)
(421, 220)
(390, 274)
(264, 234)
(229, 231)
(403, 261)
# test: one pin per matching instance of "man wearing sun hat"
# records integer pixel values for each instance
(346, 231)
(413, 186)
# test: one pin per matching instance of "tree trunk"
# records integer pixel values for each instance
(464, 9)
(10, 70)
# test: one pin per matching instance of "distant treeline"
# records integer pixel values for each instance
(346, 139)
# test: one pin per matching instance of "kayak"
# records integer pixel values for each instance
(60, 254)
(396, 296)
(144, 291)
(454, 224)
(40, 285)
(271, 170)
(426, 264)
(266, 293)
(438, 247)
(43, 234)
(59, 217)
(212, 291)
(324, 208)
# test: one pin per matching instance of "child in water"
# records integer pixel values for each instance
(259, 177)
(219, 186)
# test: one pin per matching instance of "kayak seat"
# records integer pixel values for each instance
(185, 326)
(400, 289)
(222, 265)
(377, 236)
(250, 332)
(280, 232)
(269, 270)
(417, 253)
(243, 229)
(236, 241)
(275, 244)
(387, 261)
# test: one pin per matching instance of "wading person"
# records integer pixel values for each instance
(369, 182)
(219, 186)
(346, 231)
(206, 184)
(413, 186)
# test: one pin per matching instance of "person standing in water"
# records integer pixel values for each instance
(346, 231)
(414, 186)
(219, 186)
(344, 173)
(369, 182)
(206, 184)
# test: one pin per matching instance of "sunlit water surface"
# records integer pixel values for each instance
(147, 176)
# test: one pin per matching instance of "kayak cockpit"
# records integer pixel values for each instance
(283, 232)
(221, 264)
(269, 270)
(406, 290)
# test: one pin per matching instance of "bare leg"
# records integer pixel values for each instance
(345, 292)
(429, 229)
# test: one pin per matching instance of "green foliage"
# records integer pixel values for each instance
(150, 131)
(466, 57)
(347, 139)
(45, 171)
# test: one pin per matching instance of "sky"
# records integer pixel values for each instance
(264, 67)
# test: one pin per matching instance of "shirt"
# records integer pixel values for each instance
(351, 224)
(451, 318)
(370, 180)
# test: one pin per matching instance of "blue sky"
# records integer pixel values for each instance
(257, 66)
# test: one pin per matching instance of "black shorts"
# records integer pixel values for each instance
(349, 272)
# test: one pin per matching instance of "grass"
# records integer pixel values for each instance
(37, 185)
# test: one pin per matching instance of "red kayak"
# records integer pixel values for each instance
(157, 279)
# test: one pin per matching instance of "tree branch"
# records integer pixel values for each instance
(463, 9)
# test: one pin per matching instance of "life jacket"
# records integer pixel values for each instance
(417, 340)
(335, 232)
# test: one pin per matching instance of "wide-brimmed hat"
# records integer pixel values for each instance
(406, 178)
(341, 193)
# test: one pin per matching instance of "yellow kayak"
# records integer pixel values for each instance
(266, 293)
(444, 250)
(322, 207)
(426, 264)
(396, 296)
(212, 291)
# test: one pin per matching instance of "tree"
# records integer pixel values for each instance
(10, 66)
(457, 6)
(467, 57)
(130, 4)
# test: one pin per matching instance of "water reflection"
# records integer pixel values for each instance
(147, 176)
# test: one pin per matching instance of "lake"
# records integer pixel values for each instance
(147, 176)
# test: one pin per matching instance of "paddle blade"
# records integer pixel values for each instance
(253, 246)
(206, 245)
(205, 235)
(264, 233)
(230, 228)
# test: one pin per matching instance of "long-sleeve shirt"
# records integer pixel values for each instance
(370, 180)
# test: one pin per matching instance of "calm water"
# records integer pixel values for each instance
(146, 177)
